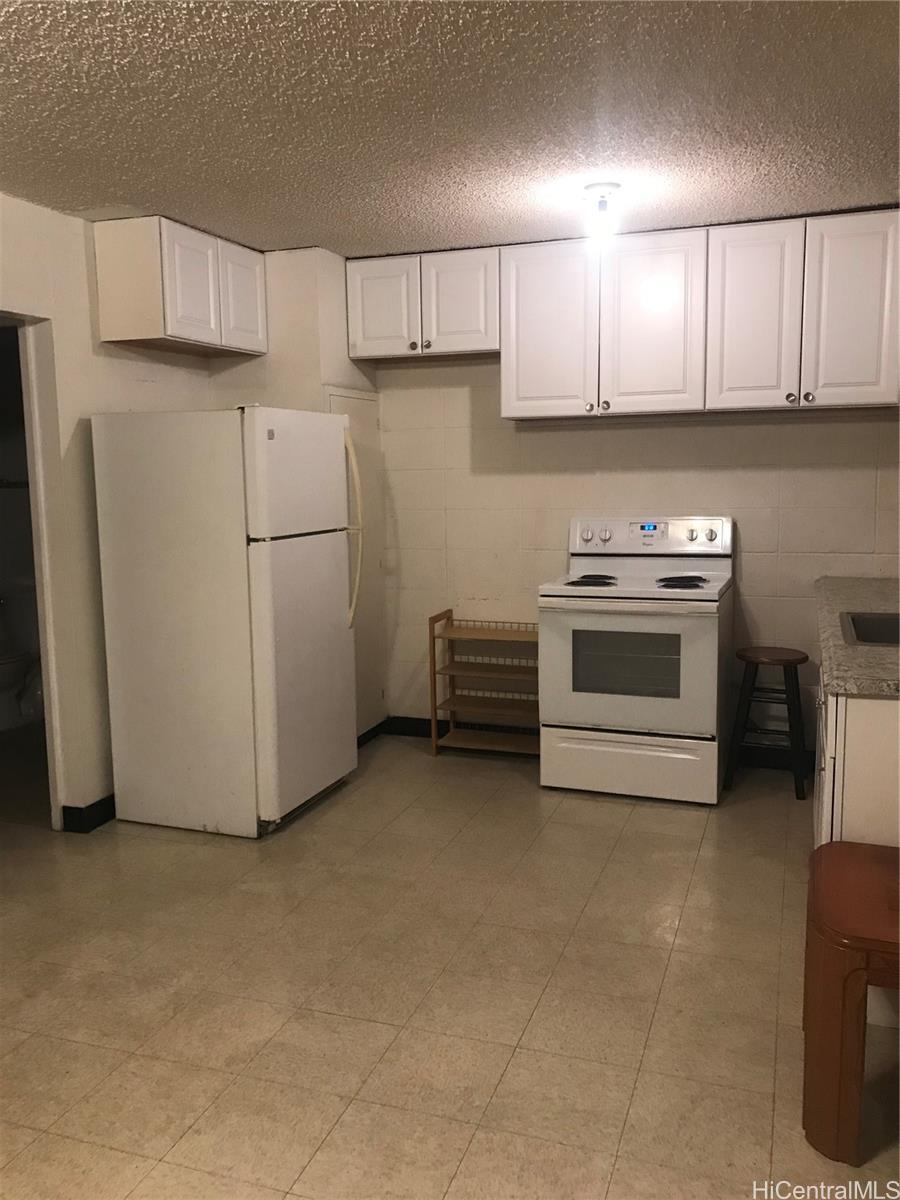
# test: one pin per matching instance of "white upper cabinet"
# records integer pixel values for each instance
(549, 323)
(754, 302)
(445, 303)
(159, 282)
(384, 307)
(461, 301)
(653, 323)
(850, 311)
(190, 283)
(242, 293)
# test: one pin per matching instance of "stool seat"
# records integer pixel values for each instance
(772, 656)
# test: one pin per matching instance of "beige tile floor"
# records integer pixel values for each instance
(442, 981)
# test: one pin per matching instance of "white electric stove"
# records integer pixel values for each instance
(634, 655)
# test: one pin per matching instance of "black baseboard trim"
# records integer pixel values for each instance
(92, 816)
(775, 758)
(374, 732)
(412, 727)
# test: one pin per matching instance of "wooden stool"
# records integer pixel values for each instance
(789, 660)
(851, 942)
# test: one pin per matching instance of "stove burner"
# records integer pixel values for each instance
(681, 587)
(682, 581)
(593, 581)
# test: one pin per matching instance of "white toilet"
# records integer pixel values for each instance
(20, 691)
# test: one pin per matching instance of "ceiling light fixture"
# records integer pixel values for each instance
(602, 215)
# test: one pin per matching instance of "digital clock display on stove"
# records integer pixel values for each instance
(650, 527)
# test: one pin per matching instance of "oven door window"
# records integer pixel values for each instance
(614, 663)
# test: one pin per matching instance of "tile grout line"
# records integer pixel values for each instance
(135, 1052)
(562, 951)
(398, 1029)
(778, 994)
(637, 1074)
(294, 1008)
(476, 1125)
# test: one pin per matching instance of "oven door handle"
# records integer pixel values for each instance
(620, 608)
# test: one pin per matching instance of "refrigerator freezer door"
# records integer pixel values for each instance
(296, 473)
(303, 669)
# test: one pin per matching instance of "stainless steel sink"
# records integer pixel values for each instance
(871, 629)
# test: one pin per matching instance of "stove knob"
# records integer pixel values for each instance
(605, 535)
(692, 535)
(587, 534)
(711, 535)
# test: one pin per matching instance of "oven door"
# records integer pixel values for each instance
(629, 664)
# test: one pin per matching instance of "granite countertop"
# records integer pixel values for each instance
(849, 669)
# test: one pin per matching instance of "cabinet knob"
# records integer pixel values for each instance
(809, 398)
(605, 406)
(426, 345)
(792, 397)
(413, 345)
(589, 407)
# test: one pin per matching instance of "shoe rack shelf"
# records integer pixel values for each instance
(483, 673)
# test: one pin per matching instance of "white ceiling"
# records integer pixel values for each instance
(380, 127)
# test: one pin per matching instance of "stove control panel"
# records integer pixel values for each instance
(648, 532)
(650, 535)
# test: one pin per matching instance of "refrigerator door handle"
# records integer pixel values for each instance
(358, 528)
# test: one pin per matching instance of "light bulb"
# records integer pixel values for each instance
(602, 215)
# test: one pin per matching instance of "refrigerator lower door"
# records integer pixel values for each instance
(303, 669)
(295, 471)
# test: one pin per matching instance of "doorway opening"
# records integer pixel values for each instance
(24, 777)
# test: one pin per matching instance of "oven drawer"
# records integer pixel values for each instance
(630, 764)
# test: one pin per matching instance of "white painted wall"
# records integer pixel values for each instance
(47, 276)
(477, 508)
(307, 312)
(47, 279)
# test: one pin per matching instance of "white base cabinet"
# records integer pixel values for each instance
(857, 781)
(856, 790)
(164, 283)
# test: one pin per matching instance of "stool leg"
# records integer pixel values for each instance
(834, 1042)
(795, 725)
(748, 683)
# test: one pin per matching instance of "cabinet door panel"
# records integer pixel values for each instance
(461, 301)
(242, 284)
(190, 283)
(549, 318)
(754, 309)
(850, 310)
(383, 307)
(653, 323)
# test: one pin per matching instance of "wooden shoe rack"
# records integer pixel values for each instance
(483, 679)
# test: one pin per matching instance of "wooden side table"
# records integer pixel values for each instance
(852, 941)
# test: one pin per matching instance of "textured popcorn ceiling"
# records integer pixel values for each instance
(371, 128)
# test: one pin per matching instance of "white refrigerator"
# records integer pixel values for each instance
(225, 562)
